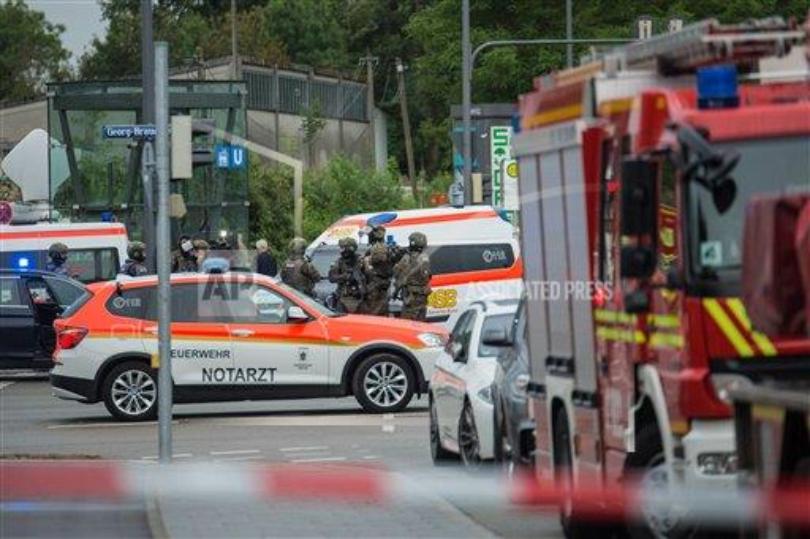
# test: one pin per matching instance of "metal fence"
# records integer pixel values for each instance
(277, 91)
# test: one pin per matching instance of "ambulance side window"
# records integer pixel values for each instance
(134, 303)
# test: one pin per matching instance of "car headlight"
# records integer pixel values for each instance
(432, 340)
(485, 394)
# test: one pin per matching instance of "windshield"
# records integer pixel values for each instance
(766, 167)
(324, 256)
(308, 301)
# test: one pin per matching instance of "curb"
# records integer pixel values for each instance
(154, 518)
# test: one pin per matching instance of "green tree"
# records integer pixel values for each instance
(31, 52)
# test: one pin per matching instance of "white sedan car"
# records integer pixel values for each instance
(461, 409)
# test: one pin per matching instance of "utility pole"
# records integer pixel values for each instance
(148, 117)
(466, 99)
(406, 126)
(569, 34)
(370, 62)
(234, 52)
(163, 253)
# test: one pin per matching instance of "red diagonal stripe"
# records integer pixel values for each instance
(38, 480)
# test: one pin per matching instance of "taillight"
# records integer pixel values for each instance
(69, 337)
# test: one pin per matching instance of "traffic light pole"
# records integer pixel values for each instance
(148, 117)
(163, 252)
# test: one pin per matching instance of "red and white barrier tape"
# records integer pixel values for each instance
(113, 481)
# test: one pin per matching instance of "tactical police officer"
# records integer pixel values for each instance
(184, 258)
(412, 275)
(134, 264)
(347, 272)
(298, 272)
(378, 269)
(57, 255)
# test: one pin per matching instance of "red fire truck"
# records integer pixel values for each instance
(635, 171)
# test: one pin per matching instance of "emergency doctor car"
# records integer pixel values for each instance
(235, 336)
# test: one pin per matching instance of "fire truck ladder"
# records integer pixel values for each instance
(708, 42)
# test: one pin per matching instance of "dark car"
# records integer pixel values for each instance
(514, 430)
(29, 303)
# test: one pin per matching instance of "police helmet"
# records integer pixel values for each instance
(377, 234)
(298, 246)
(417, 241)
(58, 252)
(136, 250)
(347, 245)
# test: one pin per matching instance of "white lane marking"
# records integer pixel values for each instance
(175, 456)
(235, 452)
(242, 458)
(105, 425)
(388, 417)
(305, 448)
(388, 428)
(321, 459)
(319, 421)
(370, 457)
(4, 385)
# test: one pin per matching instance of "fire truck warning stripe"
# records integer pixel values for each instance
(763, 342)
(617, 334)
(728, 328)
(568, 112)
(63, 233)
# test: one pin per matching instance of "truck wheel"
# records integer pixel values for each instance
(130, 392)
(648, 464)
(383, 383)
(439, 454)
(573, 527)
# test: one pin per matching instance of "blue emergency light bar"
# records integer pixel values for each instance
(381, 219)
(717, 87)
(23, 262)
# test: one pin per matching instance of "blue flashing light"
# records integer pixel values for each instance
(717, 87)
(23, 262)
(107, 217)
(389, 239)
(381, 219)
(504, 214)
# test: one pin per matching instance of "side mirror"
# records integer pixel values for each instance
(296, 314)
(639, 208)
(457, 352)
(497, 337)
(637, 262)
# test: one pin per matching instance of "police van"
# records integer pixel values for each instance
(474, 252)
(95, 250)
(235, 336)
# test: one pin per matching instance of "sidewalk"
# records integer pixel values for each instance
(217, 519)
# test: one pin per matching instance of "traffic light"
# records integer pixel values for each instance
(192, 145)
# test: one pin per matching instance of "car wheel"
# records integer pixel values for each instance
(383, 383)
(649, 464)
(130, 392)
(469, 444)
(439, 454)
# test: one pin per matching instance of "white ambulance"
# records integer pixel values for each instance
(474, 252)
(96, 251)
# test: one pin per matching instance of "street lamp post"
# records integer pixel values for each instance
(468, 63)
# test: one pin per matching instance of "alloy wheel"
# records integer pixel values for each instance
(385, 384)
(133, 392)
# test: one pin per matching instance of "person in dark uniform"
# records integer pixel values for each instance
(412, 274)
(378, 268)
(347, 272)
(57, 259)
(298, 272)
(184, 258)
(265, 263)
(134, 265)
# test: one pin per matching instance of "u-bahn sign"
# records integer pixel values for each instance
(503, 168)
